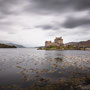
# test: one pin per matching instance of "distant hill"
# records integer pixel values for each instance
(11, 44)
(6, 46)
(18, 46)
(87, 43)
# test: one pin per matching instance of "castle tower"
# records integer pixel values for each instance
(58, 40)
(48, 43)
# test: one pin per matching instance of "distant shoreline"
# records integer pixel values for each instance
(6, 46)
(10, 45)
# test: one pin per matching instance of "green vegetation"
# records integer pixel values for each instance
(6, 46)
(65, 47)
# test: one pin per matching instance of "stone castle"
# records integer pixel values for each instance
(58, 41)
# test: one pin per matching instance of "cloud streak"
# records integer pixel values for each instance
(48, 27)
(73, 22)
(57, 6)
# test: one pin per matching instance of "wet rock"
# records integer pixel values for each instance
(59, 72)
(51, 71)
(84, 87)
(54, 66)
(18, 66)
(42, 79)
(58, 59)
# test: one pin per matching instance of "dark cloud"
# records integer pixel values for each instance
(57, 6)
(48, 27)
(43, 6)
(73, 22)
(8, 7)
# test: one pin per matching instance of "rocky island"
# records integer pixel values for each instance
(59, 45)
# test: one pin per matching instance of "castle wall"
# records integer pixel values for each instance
(57, 42)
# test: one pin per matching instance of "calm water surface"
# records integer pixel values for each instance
(25, 67)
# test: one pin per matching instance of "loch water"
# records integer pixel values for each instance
(25, 67)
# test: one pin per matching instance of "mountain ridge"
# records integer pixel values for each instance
(79, 43)
(11, 44)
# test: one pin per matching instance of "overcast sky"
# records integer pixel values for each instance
(31, 22)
